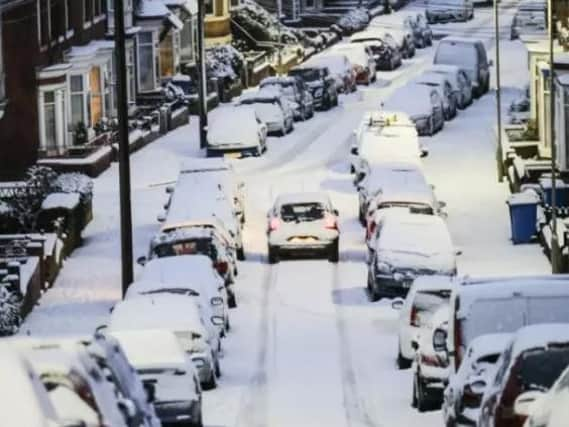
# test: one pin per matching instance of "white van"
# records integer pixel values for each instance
(501, 304)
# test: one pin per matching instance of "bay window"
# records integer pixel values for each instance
(147, 61)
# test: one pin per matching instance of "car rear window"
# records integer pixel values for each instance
(308, 75)
(538, 369)
(302, 212)
(186, 247)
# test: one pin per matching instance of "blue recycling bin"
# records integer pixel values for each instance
(561, 191)
(523, 216)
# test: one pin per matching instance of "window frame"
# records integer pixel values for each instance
(60, 104)
(154, 60)
(85, 102)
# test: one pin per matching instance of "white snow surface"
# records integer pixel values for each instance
(307, 347)
(60, 200)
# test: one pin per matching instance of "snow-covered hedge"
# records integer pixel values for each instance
(354, 20)
(224, 62)
(10, 309)
(74, 183)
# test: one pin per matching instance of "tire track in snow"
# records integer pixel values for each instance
(354, 405)
(254, 409)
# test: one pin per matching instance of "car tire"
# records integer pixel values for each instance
(241, 253)
(334, 252)
(403, 363)
(430, 41)
(217, 368)
(373, 296)
(231, 299)
(273, 255)
(227, 325)
(291, 127)
(423, 398)
(198, 419)
(211, 383)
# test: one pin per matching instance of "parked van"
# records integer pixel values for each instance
(449, 10)
(469, 54)
(502, 304)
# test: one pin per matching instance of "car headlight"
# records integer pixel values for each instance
(383, 267)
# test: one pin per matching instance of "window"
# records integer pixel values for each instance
(53, 120)
(2, 78)
(79, 100)
(98, 7)
(146, 61)
(219, 7)
(68, 15)
(131, 78)
(43, 21)
(50, 132)
(309, 3)
(209, 7)
(96, 93)
(57, 18)
(187, 41)
(87, 10)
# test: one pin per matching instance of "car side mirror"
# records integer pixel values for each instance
(477, 385)
(397, 304)
(526, 402)
(414, 345)
(216, 301)
(442, 204)
(458, 251)
(99, 329)
(217, 320)
(170, 189)
(150, 389)
(424, 152)
(336, 212)
(141, 260)
(128, 407)
(161, 218)
(354, 151)
(440, 340)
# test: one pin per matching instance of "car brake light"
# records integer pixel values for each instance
(274, 224)
(330, 223)
(414, 320)
(221, 267)
(372, 227)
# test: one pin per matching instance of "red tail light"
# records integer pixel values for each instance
(414, 320)
(274, 224)
(331, 223)
(221, 267)
(372, 226)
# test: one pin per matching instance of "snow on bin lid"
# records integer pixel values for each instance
(60, 201)
(527, 197)
(545, 182)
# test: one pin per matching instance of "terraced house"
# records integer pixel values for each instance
(57, 76)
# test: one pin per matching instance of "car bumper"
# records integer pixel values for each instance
(275, 126)
(182, 412)
(204, 366)
(237, 151)
(435, 376)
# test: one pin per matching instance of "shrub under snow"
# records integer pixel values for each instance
(224, 62)
(354, 20)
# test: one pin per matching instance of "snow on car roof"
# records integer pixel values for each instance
(391, 177)
(209, 164)
(269, 93)
(180, 233)
(540, 336)
(281, 80)
(432, 283)
(179, 270)
(355, 52)
(488, 344)
(471, 290)
(426, 234)
(413, 99)
(22, 403)
(456, 39)
(431, 77)
(166, 350)
(160, 311)
(387, 119)
(329, 58)
(236, 124)
(308, 197)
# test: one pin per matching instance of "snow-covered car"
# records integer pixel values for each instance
(340, 68)
(197, 240)
(304, 223)
(419, 27)
(170, 372)
(534, 359)
(214, 203)
(530, 18)
(449, 10)
(430, 367)
(470, 55)
(422, 103)
(354, 20)
(182, 316)
(292, 89)
(69, 373)
(424, 298)
(409, 245)
(463, 394)
(31, 405)
(236, 132)
(362, 60)
(272, 108)
(549, 409)
(109, 355)
(385, 50)
(460, 82)
(481, 306)
(404, 38)
(442, 84)
(402, 183)
(320, 82)
(184, 274)
(224, 172)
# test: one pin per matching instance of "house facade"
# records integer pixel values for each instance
(218, 22)
(57, 71)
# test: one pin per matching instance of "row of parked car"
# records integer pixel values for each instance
(178, 307)
(460, 73)
(493, 352)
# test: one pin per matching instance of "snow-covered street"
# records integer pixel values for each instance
(307, 347)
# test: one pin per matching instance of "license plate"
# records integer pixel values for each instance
(302, 239)
(232, 155)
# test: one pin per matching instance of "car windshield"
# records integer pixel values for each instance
(308, 75)
(426, 303)
(302, 212)
(453, 53)
(185, 247)
(538, 369)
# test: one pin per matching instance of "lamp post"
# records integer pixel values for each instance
(498, 93)
(555, 251)
(124, 155)
(202, 84)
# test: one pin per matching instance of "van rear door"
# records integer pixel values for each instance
(547, 309)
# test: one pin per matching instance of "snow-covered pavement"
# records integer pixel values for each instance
(307, 347)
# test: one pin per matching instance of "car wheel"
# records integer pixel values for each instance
(197, 418)
(273, 255)
(430, 41)
(211, 383)
(217, 368)
(371, 290)
(241, 253)
(290, 127)
(231, 300)
(423, 397)
(334, 252)
(227, 326)
(414, 394)
(402, 363)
